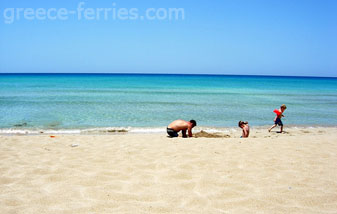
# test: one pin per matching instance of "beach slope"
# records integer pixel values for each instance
(294, 172)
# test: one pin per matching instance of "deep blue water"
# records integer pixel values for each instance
(71, 101)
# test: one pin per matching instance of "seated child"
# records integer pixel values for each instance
(245, 129)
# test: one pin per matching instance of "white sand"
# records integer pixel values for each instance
(268, 173)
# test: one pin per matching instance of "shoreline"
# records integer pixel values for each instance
(152, 130)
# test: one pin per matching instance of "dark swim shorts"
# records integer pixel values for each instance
(171, 132)
(278, 121)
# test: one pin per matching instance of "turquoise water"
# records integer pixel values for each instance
(77, 101)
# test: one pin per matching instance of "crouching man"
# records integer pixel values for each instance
(181, 125)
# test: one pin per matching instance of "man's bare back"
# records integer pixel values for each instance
(181, 125)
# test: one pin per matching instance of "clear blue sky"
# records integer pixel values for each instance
(258, 37)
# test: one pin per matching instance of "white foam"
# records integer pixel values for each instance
(115, 130)
(148, 130)
(39, 131)
(15, 131)
(105, 130)
(63, 131)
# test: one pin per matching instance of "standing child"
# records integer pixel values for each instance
(279, 115)
(245, 129)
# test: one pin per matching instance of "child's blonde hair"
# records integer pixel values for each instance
(283, 106)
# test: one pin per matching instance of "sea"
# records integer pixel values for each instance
(99, 103)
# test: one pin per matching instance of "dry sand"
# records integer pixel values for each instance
(294, 172)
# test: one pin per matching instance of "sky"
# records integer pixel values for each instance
(252, 37)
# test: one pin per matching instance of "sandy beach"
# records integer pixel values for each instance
(295, 172)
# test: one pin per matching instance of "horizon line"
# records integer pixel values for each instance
(177, 74)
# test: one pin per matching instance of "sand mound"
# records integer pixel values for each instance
(210, 135)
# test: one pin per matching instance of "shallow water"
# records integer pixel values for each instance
(87, 101)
